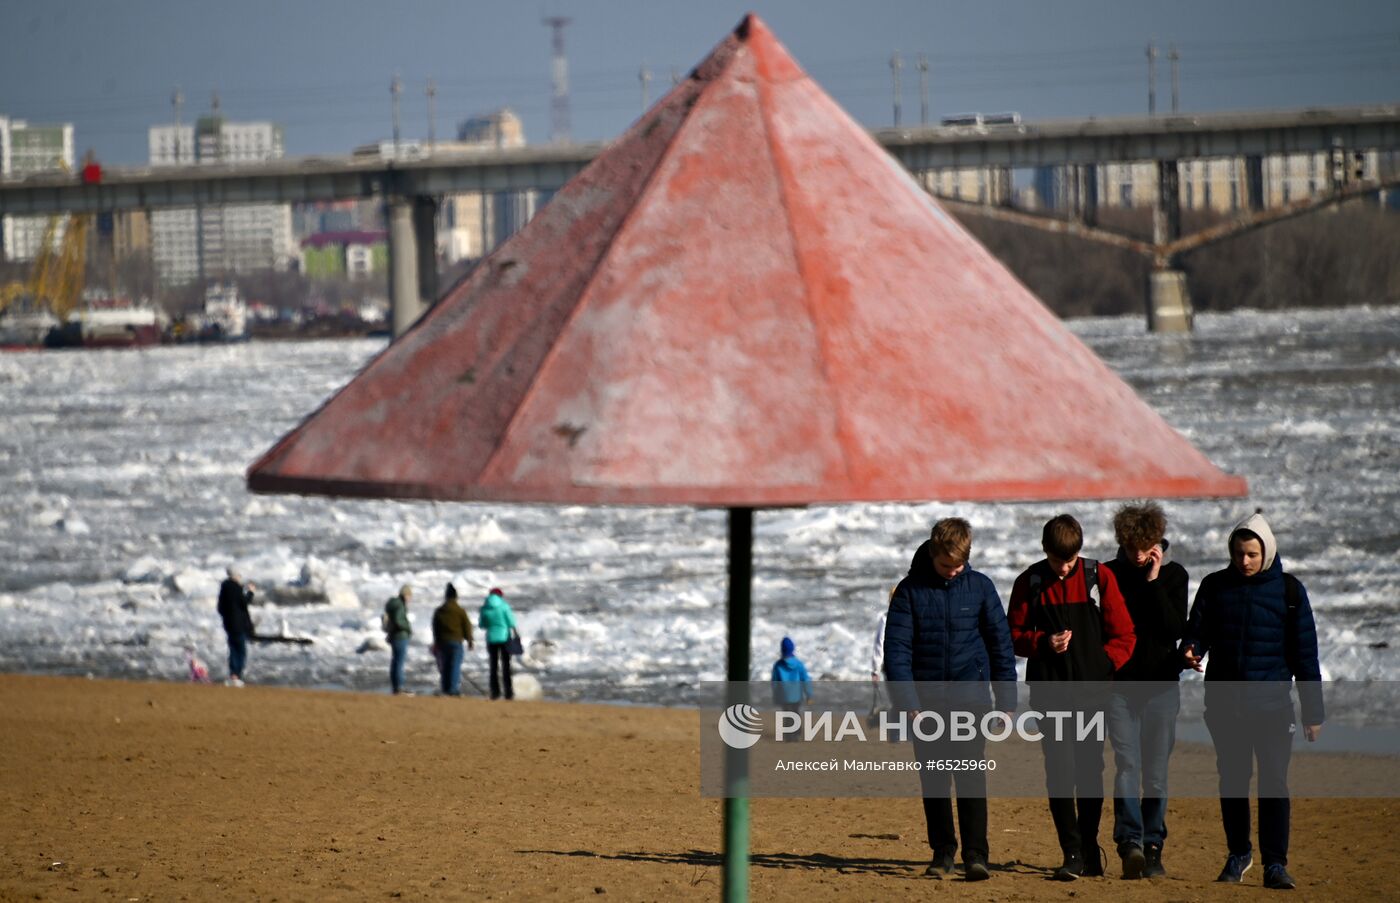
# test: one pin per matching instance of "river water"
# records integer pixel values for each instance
(123, 501)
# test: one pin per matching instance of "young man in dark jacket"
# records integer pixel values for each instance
(946, 624)
(451, 628)
(1146, 696)
(1074, 633)
(1256, 626)
(238, 623)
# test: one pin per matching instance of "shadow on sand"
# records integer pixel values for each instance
(894, 868)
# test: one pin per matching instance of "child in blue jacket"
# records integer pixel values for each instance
(791, 685)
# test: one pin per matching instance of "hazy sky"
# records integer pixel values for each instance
(322, 69)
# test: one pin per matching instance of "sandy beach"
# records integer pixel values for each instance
(134, 791)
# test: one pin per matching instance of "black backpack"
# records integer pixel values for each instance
(1034, 587)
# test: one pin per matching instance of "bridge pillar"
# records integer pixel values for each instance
(1168, 298)
(413, 282)
(1089, 194)
(425, 238)
(405, 302)
(1166, 213)
(1168, 301)
(1254, 182)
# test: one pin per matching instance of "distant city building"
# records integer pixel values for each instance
(501, 128)
(344, 255)
(470, 225)
(26, 150)
(221, 241)
(335, 216)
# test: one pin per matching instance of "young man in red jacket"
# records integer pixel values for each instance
(1069, 621)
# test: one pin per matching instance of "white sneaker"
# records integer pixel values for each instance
(233, 682)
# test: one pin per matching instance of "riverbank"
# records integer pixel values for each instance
(112, 789)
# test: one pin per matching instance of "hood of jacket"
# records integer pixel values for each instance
(1257, 525)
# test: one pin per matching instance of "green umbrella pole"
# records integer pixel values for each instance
(736, 761)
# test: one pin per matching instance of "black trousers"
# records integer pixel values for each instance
(500, 673)
(1241, 739)
(938, 786)
(1074, 784)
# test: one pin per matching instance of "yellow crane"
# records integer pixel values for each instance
(57, 276)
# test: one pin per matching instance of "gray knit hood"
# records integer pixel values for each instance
(1257, 525)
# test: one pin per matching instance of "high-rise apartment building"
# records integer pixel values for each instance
(26, 149)
(471, 225)
(222, 241)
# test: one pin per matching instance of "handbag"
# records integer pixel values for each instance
(514, 646)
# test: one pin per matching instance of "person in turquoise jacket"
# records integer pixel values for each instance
(791, 685)
(499, 623)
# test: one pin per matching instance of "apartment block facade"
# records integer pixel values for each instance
(213, 243)
(26, 149)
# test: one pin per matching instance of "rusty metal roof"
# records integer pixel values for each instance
(744, 301)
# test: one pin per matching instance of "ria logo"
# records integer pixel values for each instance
(740, 726)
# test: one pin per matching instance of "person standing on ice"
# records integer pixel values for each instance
(234, 598)
(398, 630)
(498, 621)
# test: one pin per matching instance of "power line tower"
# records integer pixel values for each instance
(1151, 78)
(923, 89)
(560, 129)
(432, 114)
(896, 64)
(1176, 78)
(395, 89)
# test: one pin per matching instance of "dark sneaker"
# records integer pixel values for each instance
(940, 866)
(1276, 877)
(976, 869)
(1093, 862)
(1235, 867)
(1134, 862)
(1153, 854)
(1073, 867)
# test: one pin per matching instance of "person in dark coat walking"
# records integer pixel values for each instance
(1068, 620)
(451, 627)
(1255, 624)
(946, 628)
(1146, 696)
(234, 599)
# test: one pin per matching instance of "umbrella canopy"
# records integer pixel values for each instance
(744, 301)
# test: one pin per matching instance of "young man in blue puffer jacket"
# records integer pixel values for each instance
(946, 624)
(1256, 626)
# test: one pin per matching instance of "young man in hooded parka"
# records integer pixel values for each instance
(1254, 624)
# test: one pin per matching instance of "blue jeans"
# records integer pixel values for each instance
(450, 661)
(398, 648)
(237, 654)
(1142, 729)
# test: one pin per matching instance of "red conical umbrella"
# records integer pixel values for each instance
(743, 302)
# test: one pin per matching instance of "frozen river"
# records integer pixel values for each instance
(123, 501)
